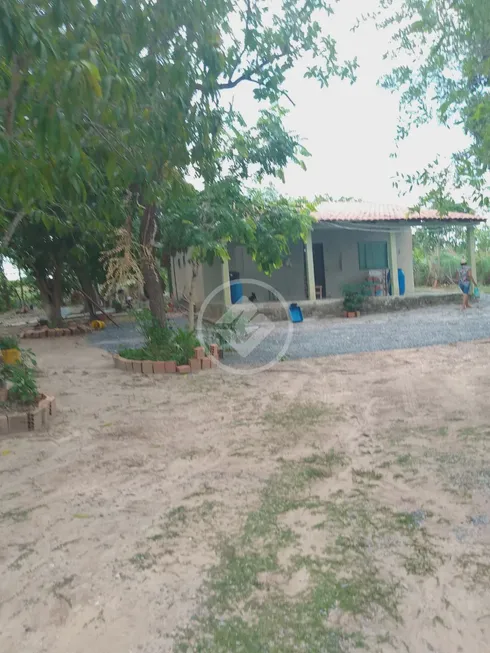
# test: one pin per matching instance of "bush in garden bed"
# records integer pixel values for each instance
(161, 343)
(23, 390)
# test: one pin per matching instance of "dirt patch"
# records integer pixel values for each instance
(341, 501)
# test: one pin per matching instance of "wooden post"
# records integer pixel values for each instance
(470, 243)
(225, 272)
(393, 252)
(310, 268)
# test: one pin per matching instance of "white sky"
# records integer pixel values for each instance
(350, 130)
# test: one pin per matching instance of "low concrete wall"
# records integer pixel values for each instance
(334, 307)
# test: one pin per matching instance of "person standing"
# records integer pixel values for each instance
(465, 279)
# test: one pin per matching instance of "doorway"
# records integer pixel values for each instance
(319, 267)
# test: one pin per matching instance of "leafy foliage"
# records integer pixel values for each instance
(443, 71)
(354, 296)
(9, 342)
(161, 343)
(24, 386)
(106, 107)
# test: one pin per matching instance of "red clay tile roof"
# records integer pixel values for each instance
(371, 212)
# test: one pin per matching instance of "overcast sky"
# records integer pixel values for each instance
(350, 130)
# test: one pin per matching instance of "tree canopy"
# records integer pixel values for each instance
(442, 55)
(106, 107)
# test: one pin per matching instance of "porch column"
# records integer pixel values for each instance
(395, 289)
(225, 276)
(310, 269)
(470, 243)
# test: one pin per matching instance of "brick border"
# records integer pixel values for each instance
(30, 420)
(44, 332)
(199, 362)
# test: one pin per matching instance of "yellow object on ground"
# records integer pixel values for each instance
(11, 356)
(97, 324)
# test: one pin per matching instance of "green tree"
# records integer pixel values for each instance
(114, 99)
(205, 222)
(443, 71)
(180, 57)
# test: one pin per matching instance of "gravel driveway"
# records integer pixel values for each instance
(315, 338)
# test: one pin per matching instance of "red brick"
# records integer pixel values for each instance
(137, 366)
(34, 334)
(195, 364)
(205, 363)
(159, 367)
(214, 351)
(51, 333)
(198, 352)
(147, 367)
(183, 369)
(52, 406)
(36, 419)
(18, 422)
(4, 425)
(170, 367)
(58, 333)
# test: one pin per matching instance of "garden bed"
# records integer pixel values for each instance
(69, 330)
(195, 364)
(19, 419)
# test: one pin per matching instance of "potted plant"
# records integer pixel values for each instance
(354, 296)
(9, 346)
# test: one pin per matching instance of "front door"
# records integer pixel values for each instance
(319, 267)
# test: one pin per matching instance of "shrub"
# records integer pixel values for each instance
(24, 386)
(354, 296)
(161, 343)
(184, 343)
(9, 342)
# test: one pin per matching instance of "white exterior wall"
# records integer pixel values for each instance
(182, 275)
(289, 280)
(341, 255)
(341, 258)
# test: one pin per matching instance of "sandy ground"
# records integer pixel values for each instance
(111, 521)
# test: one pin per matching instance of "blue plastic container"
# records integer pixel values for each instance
(401, 281)
(295, 313)
(236, 291)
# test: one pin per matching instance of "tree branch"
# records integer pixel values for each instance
(11, 230)
(12, 97)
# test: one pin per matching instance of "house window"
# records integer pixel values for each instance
(373, 256)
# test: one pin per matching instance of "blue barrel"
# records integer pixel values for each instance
(236, 290)
(401, 281)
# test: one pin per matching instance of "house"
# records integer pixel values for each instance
(349, 243)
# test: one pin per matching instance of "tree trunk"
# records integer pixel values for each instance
(167, 265)
(51, 296)
(195, 271)
(5, 292)
(153, 283)
(89, 289)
